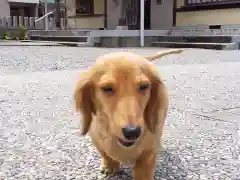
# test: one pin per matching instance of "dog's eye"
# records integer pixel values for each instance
(107, 89)
(143, 87)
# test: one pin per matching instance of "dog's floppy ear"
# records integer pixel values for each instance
(84, 100)
(157, 105)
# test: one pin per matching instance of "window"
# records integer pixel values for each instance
(209, 2)
(84, 7)
(14, 11)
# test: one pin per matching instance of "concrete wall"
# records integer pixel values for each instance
(180, 3)
(4, 8)
(114, 42)
(207, 17)
(99, 7)
(113, 11)
(71, 7)
(161, 14)
(86, 22)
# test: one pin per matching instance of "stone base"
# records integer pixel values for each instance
(122, 28)
(114, 42)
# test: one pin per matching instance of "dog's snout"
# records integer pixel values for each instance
(131, 132)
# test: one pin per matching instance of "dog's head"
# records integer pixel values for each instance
(126, 91)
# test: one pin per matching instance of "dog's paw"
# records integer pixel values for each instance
(108, 170)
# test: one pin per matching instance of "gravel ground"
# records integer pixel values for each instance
(39, 133)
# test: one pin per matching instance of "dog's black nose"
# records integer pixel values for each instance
(131, 132)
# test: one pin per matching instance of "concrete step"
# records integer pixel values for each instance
(59, 32)
(59, 38)
(43, 43)
(75, 44)
(217, 46)
(196, 39)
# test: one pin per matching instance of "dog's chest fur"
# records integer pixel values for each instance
(108, 144)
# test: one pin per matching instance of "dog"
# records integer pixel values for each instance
(124, 103)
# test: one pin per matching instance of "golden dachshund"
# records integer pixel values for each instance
(124, 103)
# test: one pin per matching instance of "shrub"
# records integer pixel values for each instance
(6, 35)
(23, 33)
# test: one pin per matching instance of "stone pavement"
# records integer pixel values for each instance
(39, 133)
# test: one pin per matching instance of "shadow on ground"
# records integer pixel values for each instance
(169, 167)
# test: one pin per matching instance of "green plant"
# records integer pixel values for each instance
(6, 35)
(23, 33)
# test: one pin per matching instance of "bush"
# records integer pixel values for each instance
(23, 33)
(6, 35)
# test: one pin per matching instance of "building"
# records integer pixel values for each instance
(21, 11)
(159, 14)
(208, 12)
(25, 8)
(86, 14)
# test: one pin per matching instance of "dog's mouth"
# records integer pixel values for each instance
(126, 143)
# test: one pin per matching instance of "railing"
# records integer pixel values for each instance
(13, 22)
(45, 16)
(46, 25)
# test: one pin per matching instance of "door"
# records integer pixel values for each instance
(132, 13)
(132, 8)
(147, 14)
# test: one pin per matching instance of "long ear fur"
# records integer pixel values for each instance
(157, 106)
(84, 102)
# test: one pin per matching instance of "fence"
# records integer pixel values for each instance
(13, 22)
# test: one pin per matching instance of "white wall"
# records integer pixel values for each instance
(113, 11)
(161, 14)
(4, 8)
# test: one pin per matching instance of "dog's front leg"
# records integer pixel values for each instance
(108, 165)
(144, 168)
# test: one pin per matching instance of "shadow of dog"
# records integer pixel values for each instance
(169, 167)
